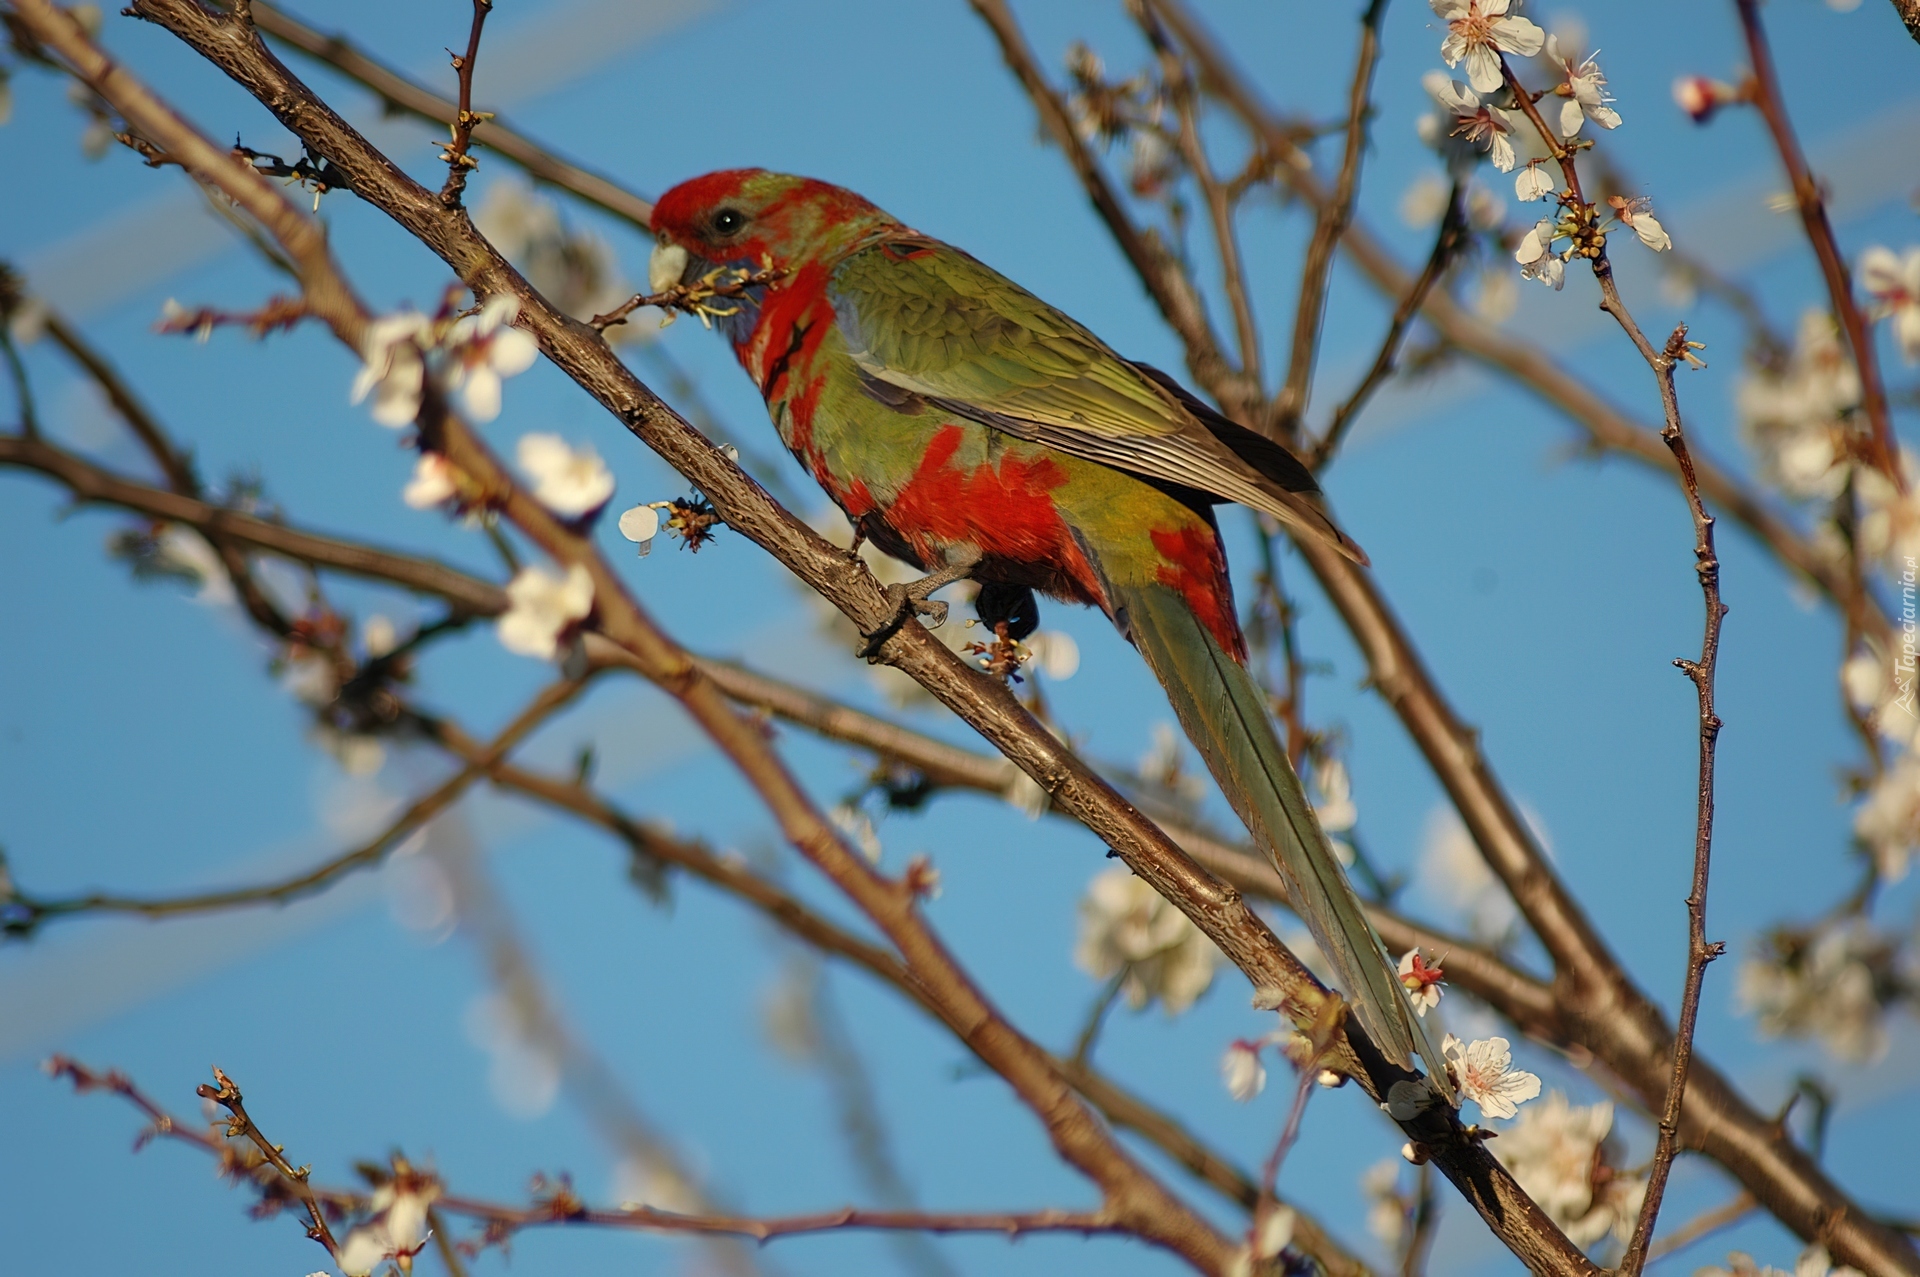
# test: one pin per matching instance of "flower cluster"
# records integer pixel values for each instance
(573, 269)
(1893, 282)
(1134, 111)
(1129, 931)
(1814, 1261)
(1563, 1155)
(468, 355)
(1796, 412)
(1832, 982)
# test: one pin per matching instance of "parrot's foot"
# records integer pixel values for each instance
(910, 600)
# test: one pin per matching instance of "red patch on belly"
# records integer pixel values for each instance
(1007, 510)
(1197, 567)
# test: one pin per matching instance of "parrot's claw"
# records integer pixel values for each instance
(910, 600)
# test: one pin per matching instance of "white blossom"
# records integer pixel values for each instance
(1467, 118)
(1242, 1070)
(1587, 96)
(1455, 875)
(1536, 256)
(1335, 807)
(1889, 528)
(1386, 1208)
(572, 269)
(1487, 1076)
(1635, 214)
(398, 1229)
(1814, 1261)
(1532, 183)
(431, 484)
(391, 366)
(1796, 416)
(1888, 822)
(1479, 31)
(484, 348)
(1425, 201)
(641, 525)
(1560, 1154)
(854, 822)
(1126, 926)
(1055, 654)
(1163, 768)
(1422, 981)
(1824, 984)
(541, 607)
(569, 481)
(1495, 296)
(1893, 281)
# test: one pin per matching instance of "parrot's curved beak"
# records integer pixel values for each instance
(666, 267)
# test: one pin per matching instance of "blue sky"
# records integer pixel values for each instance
(144, 745)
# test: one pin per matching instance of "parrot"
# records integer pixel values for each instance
(969, 428)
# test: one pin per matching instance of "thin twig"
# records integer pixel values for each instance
(455, 154)
(1884, 453)
(562, 1207)
(30, 913)
(1426, 1224)
(1219, 198)
(400, 93)
(1699, 951)
(1725, 1215)
(1453, 233)
(1291, 404)
(239, 1123)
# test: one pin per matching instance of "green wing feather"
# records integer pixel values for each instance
(1225, 716)
(924, 317)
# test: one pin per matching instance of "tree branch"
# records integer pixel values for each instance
(1453, 233)
(1603, 1010)
(1140, 1204)
(28, 914)
(1290, 406)
(1884, 452)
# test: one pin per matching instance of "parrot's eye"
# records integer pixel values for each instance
(728, 220)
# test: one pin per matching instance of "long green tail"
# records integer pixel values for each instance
(1225, 716)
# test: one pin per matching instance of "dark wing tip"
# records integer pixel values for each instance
(1270, 459)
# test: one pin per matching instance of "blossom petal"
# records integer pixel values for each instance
(1515, 35)
(1483, 68)
(1571, 117)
